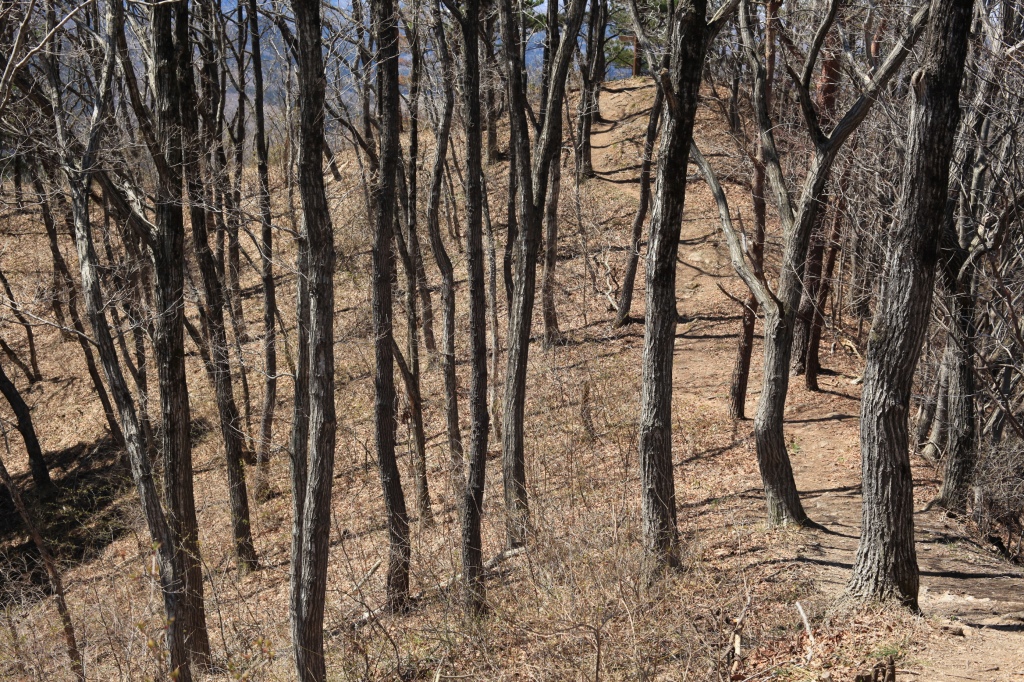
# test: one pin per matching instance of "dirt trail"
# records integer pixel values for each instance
(972, 597)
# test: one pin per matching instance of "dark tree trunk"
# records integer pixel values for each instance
(531, 171)
(168, 247)
(592, 76)
(35, 375)
(547, 283)
(813, 355)
(687, 38)
(389, 116)
(444, 263)
(886, 563)
(313, 476)
(50, 566)
(629, 279)
(473, 496)
(36, 462)
(216, 301)
(266, 261)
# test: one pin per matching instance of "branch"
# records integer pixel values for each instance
(761, 293)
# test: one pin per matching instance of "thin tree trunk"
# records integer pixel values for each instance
(886, 563)
(629, 279)
(532, 178)
(389, 116)
(552, 335)
(33, 359)
(267, 262)
(216, 301)
(444, 263)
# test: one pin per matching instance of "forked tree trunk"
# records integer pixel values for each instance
(444, 264)
(552, 335)
(681, 85)
(389, 115)
(309, 580)
(531, 172)
(745, 344)
(886, 563)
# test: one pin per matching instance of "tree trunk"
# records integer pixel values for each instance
(170, 31)
(444, 263)
(386, 33)
(36, 462)
(552, 335)
(629, 279)
(56, 582)
(961, 451)
(267, 262)
(531, 181)
(687, 37)
(212, 313)
(473, 496)
(886, 563)
(309, 580)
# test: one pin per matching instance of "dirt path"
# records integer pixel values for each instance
(972, 599)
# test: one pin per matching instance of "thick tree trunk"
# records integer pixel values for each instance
(170, 31)
(36, 462)
(309, 580)
(687, 38)
(886, 563)
(172, 566)
(625, 302)
(473, 496)
(386, 33)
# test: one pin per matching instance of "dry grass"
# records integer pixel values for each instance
(573, 607)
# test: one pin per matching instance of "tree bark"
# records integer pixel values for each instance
(681, 85)
(266, 261)
(629, 278)
(444, 264)
(170, 41)
(886, 563)
(313, 477)
(531, 172)
(473, 495)
(389, 116)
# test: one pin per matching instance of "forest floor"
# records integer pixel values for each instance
(573, 607)
(974, 596)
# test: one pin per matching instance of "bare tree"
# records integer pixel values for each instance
(886, 562)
